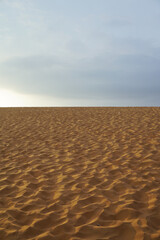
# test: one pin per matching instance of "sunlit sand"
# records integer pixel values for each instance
(79, 173)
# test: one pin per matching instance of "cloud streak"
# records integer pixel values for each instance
(127, 77)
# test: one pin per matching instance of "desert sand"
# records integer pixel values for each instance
(80, 173)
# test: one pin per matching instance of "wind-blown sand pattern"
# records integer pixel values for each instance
(79, 173)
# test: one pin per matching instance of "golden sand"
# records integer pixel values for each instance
(79, 173)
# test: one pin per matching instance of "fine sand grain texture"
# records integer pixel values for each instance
(79, 173)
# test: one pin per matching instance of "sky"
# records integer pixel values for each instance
(79, 53)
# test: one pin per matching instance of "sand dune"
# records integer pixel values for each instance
(79, 173)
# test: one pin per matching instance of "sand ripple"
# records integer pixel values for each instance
(79, 173)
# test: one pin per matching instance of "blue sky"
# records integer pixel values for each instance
(79, 53)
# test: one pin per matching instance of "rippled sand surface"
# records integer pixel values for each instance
(79, 173)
